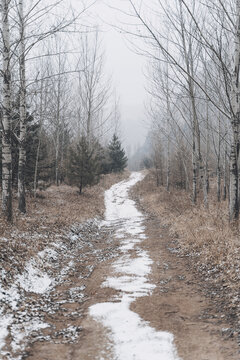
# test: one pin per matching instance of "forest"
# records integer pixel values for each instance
(108, 253)
(192, 82)
(193, 75)
(58, 120)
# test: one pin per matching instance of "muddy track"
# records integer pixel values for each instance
(177, 304)
(47, 325)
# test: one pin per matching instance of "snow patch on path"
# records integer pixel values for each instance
(131, 337)
(31, 280)
(34, 280)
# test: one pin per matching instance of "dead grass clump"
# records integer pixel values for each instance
(158, 202)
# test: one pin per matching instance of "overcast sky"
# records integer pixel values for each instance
(126, 69)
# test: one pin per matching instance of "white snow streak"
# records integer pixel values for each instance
(34, 280)
(31, 280)
(132, 338)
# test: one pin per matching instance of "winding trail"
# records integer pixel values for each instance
(106, 290)
(130, 337)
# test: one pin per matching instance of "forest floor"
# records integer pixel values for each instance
(84, 288)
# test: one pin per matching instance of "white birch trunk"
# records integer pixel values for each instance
(235, 98)
(225, 173)
(218, 162)
(168, 163)
(22, 115)
(206, 180)
(58, 124)
(233, 185)
(218, 183)
(194, 171)
(168, 135)
(197, 161)
(39, 143)
(206, 175)
(6, 121)
(57, 160)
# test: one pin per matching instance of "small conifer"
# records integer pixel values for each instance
(118, 159)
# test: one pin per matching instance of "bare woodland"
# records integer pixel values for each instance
(193, 51)
(54, 93)
(96, 261)
(193, 77)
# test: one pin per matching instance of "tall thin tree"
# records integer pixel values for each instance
(6, 117)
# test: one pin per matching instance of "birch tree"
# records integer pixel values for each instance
(6, 117)
(37, 33)
(200, 38)
(235, 121)
(22, 113)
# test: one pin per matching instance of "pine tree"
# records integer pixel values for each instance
(83, 164)
(118, 159)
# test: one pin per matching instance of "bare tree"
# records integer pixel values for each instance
(93, 88)
(235, 121)
(6, 119)
(200, 39)
(22, 113)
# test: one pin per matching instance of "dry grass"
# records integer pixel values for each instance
(48, 217)
(159, 202)
(205, 237)
(58, 207)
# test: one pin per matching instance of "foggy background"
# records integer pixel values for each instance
(126, 70)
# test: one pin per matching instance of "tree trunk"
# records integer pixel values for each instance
(35, 182)
(58, 127)
(62, 156)
(194, 173)
(233, 186)
(80, 186)
(39, 143)
(196, 155)
(218, 182)
(206, 175)
(6, 120)
(168, 164)
(22, 113)
(225, 174)
(168, 134)
(218, 162)
(186, 173)
(157, 178)
(235, 98)
(57, 160)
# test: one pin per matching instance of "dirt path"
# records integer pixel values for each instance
(125, 295)
(176, 304)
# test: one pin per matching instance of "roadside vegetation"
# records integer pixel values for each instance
(204, 237)
(51, 214)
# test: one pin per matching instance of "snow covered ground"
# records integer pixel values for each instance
(32, 295)
(131, 338)
(32, 280)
